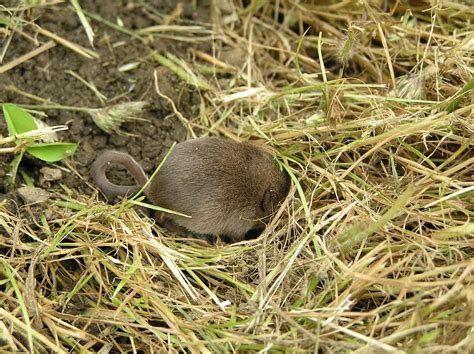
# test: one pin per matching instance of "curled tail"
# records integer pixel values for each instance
(111, 190)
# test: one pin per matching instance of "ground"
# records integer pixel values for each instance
(367, 104)
(48, 76)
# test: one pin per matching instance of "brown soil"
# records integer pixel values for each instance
(47, 76)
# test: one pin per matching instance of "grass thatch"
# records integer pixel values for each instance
(372, 250)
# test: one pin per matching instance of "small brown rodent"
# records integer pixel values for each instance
(229, 189)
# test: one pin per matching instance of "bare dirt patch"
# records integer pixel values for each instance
(48, 77)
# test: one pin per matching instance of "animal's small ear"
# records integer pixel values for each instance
(266, 202)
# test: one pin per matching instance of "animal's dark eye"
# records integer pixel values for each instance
(253, 233)
(266, 202)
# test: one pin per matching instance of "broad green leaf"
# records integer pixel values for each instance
(18, 120)
(51, 152)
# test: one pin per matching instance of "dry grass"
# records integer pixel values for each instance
(372, 250)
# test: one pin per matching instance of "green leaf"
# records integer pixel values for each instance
(51, 152)
(13, 169)
(430, 337)
(27, 179)
(18, 120)
(452, 105)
